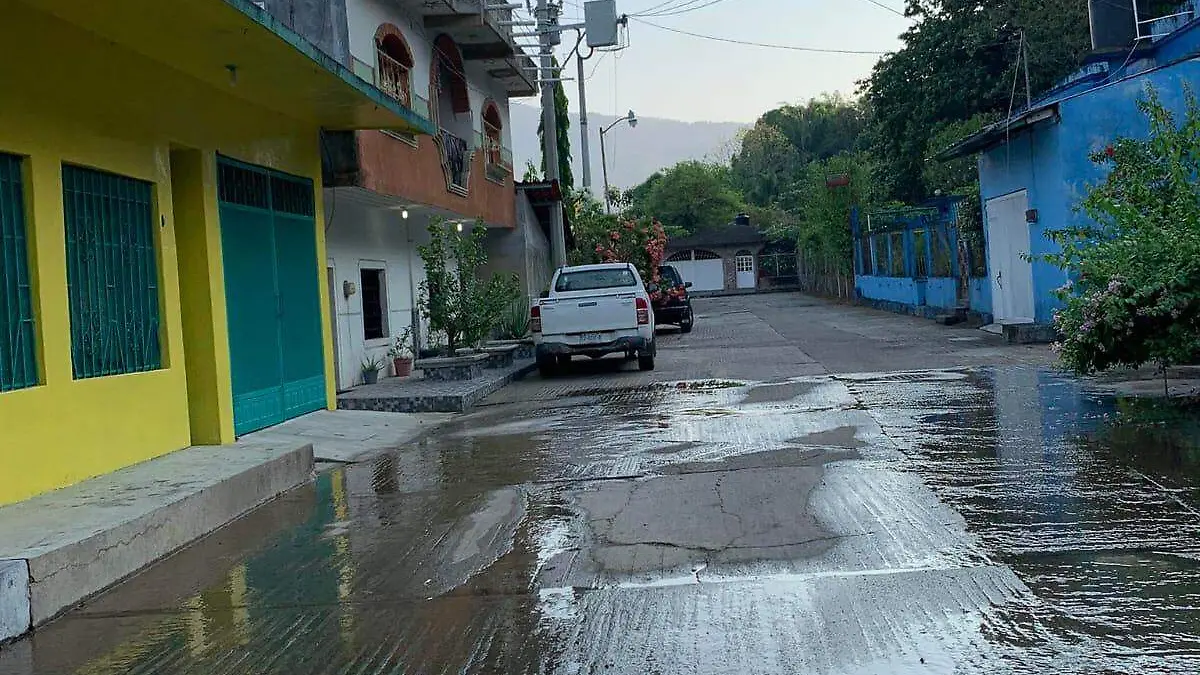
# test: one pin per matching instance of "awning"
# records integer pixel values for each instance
(239, 48)
(998, 133)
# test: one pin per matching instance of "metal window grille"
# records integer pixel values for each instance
(262, 189)
(18, 364)
(920, 254)
(112, 273)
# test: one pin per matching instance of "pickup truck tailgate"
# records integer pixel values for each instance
(589, 313)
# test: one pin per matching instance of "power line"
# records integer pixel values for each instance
(684, 8)
(748, 43)
(893, 10)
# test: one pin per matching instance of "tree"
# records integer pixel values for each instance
(821, 227)
(828, 125)
(454, 300)
(566, 177)
(688, 197)
(1134, 294)
(601, 237)
(766, 164)
(961, 59)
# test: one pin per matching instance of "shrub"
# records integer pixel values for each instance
(1134, 297)
(456, 302)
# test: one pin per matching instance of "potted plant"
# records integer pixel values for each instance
(371, 365)
(402, 353)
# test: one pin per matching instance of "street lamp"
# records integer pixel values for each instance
(633, 121)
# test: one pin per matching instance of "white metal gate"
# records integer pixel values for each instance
(704, 269)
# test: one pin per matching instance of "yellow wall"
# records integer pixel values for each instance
(71, 97)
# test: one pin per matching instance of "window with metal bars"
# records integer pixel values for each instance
(112, 273)
(262, 189)
(18, 363)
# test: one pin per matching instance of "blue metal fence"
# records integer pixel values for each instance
(912, 259)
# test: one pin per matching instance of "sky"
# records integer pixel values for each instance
(676, 76)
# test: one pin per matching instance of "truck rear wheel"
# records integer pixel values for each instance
(646, 358)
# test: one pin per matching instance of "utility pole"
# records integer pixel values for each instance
(1025, 58)
(548, 34)
(583, 117)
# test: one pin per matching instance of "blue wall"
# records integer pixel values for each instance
(942, 292)
(1051, 161)
(903, 290)
(981, 295)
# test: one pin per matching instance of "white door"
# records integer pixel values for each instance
(704, 275)
(1008, 248)
(746, 277)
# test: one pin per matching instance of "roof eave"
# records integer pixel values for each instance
(998, 133)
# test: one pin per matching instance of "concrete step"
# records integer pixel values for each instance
(59, 548)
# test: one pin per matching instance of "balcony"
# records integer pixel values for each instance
(483, 36)
(233, 41)
(497, 159)
(388, 80)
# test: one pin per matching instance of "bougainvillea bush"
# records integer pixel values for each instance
(1134, 297)
(601, 238)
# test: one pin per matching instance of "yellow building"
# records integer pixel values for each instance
(161, 229)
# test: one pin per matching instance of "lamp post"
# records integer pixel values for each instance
(633, 121)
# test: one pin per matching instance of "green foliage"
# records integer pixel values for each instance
(370, 364)
(687, 197)
(532, 174)
(821, 223)
(453, 298)
(601, 238)
(959, 60)
(766, 165)
(828, 125)
(566, 177)
(514, 323)
(1136, 265)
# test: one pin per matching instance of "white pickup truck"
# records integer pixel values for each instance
(593, 310)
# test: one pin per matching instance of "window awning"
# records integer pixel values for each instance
(241, 49)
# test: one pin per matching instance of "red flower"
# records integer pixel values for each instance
(1110, 152)
(616, 236)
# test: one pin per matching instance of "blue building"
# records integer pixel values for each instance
(1034, 167)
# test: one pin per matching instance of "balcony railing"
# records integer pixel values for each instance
(456, 158)
(497, 159)
(367, 72)
(394, 78)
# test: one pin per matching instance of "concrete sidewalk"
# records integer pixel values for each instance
(59, 548)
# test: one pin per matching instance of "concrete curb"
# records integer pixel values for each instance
(62, 547)
(461, 400)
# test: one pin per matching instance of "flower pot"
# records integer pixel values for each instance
(370, 376)
(403, 366)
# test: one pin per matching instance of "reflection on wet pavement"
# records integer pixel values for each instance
(948, 521)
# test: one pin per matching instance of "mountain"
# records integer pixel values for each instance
(633, 154)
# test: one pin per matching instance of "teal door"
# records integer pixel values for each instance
(272, 296)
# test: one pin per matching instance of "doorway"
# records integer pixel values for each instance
(1008, 258)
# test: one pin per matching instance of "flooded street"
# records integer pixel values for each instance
(799, 488)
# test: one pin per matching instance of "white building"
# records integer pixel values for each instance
(459, 67)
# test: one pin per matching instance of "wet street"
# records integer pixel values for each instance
(799, 488)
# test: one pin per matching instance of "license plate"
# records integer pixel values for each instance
(591, 337)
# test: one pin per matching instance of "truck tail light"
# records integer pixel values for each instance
(643, 311)
(535, 319)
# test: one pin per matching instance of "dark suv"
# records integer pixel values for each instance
(672, 304)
